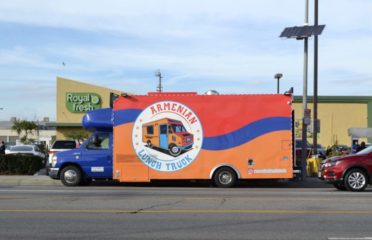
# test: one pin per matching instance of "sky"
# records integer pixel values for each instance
(229, 46)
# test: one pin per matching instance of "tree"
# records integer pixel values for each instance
(77, 134)
(17, 126)
(24, 126)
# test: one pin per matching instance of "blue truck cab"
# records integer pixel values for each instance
(93, 159)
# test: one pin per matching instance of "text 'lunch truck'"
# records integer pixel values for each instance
(184, 136)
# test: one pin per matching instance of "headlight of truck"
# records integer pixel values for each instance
(54, 161)
(331, 164)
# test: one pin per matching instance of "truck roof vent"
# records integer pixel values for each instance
(212, 92)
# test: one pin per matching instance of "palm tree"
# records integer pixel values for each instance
(23, 125)
(28, 127)
(17, 126)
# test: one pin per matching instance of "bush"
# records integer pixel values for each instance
(20, 164)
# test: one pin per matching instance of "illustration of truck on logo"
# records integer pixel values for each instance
(167, 134)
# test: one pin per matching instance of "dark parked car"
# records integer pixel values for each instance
(349, 172)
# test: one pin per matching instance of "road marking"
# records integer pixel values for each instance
(185, 211)
(344, 238)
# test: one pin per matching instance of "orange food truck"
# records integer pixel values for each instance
(223, 138)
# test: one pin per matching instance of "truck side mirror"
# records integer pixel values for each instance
(113, 97)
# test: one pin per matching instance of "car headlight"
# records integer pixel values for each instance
(54, 160)
(331, 164)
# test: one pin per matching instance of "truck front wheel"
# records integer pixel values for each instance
(225, 177)
(174, 150)
(71, 176)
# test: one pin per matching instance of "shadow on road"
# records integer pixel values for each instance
(308, 183)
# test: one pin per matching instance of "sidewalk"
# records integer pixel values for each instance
(25, 180)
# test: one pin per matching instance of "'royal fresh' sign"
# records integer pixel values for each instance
(82, 102)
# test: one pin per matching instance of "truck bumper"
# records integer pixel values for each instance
(187, 147)
(53, 173)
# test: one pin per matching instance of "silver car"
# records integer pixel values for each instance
(26, 150)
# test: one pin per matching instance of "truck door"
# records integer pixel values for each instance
(163, 136)
(96, 158)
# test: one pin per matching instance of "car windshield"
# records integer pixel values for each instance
(64, 145)
(365, 151)
(21, 149)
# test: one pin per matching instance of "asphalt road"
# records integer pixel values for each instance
(202, 212)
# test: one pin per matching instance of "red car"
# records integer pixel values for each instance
(350, 172)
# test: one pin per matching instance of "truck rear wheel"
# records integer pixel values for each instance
(71, 176)
(225, 177)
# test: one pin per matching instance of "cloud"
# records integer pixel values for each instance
(232, 47)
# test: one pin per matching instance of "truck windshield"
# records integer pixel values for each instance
(98, 141)
(178, 128)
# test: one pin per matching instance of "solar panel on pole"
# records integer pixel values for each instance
(302, 31)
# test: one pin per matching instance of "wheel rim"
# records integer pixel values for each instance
(70, 176)
(225, 178)
(356, 180)
(175, 149)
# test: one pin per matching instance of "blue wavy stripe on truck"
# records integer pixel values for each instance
(247, 133)
(126, 116)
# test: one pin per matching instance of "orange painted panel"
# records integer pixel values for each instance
(254, 139)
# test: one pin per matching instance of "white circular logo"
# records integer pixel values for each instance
(167, 136)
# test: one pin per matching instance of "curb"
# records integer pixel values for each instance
(20, 180)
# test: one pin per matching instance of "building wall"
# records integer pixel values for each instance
(65, 132)
(335, 120)
(69, 121)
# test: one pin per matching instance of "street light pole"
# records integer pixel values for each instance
(278, 76)
(304, 99)
(303, 33)
(315, 118)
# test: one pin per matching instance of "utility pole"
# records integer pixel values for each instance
(305, 119)
(315, 117)
(159, 87)
(303, 33)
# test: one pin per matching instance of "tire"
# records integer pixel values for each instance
(356, 180)
(174, 150)
(71, 176)
(225, 177)
(339, 186)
